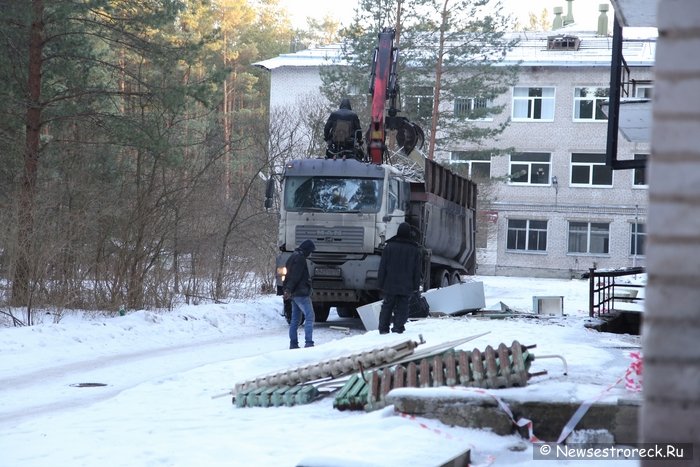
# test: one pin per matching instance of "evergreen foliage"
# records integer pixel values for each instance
(450, 65)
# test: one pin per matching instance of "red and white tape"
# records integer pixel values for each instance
(633, 382)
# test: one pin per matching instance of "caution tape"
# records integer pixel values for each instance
(489, 459)
(633, 376)
(632, 379)
(633, 382)
(521, 422)
(425, 426)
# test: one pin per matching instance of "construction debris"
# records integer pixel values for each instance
(285, 384)
(493, 368)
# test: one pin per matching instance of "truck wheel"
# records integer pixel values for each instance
(321, 312)
(456, 278)
(288, 312)
(441, 278)
(347, 312)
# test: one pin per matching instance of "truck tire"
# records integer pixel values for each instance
(455, 278)
(441, 278)
(321, 312)
(347, 312)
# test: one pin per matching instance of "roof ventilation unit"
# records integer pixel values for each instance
(563, 43)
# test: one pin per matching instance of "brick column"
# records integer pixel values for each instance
(671, 331)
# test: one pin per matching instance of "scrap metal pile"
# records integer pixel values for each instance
(364, 379)
(491, 369)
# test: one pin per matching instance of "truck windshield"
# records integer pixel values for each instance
(332, 194)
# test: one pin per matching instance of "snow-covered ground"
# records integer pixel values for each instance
(162, 373)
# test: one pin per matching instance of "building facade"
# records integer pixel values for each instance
(550, 207)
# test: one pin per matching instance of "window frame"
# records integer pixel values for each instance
(640, 172)
(594, 167)
(470, 160)
(546, 177)
(597, 114)
(532, 103)
(463, 107)
(416, 102)
(528, 233)
(590, 236)
(644, 87)
(638, 239)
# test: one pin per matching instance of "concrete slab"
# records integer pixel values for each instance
(457, 298)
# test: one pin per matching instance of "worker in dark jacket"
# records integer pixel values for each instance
(399, 278)
(341, 127)
(297, 288)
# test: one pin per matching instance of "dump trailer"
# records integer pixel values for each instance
(350, 208)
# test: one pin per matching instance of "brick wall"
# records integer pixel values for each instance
(619, 205)
(672, 316)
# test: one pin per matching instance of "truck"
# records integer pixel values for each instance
(349, 207)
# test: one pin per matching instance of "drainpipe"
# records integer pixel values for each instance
(569, 18)
(636, 236)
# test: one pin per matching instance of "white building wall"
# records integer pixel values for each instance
(619, 205)
(290, 86)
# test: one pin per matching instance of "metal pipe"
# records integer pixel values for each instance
(566, 367)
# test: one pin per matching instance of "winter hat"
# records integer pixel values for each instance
(404, 230)
(307, 246)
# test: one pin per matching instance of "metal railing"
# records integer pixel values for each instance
(604, 291)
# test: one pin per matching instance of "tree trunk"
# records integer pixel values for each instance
(25, 231)
(438, 84)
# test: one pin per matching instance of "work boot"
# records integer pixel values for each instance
(294, 345)
(309, 344)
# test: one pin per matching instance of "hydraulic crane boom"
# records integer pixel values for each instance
(384, 86)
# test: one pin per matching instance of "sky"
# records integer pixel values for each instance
(585, 11)
(167, 378)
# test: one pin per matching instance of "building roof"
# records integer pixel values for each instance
(635, 13)
(639, 50)
(304, 58)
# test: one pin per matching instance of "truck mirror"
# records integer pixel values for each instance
(269, 192)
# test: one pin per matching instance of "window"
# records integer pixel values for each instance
(639, 237)
(587, 103)
(332, 194)
(640, 175)
(394, 189)
(533, 104)
(471, 108)
(420, 101)
(644, 91)
(478, 166)
(589, 237)
(530, 167)
(527, 235)
(590, 170)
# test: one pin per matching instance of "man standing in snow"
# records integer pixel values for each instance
(297, 288)
(399, 277)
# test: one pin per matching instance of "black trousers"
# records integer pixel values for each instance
(396, 305)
